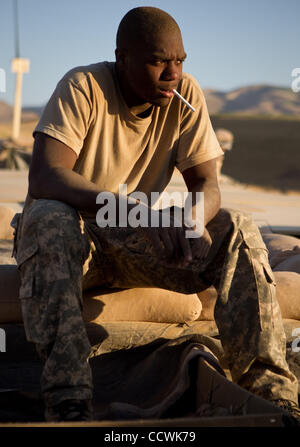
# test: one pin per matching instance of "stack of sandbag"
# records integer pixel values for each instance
(139, 304)
(149, 304)
(6, 237)
(10, 307)
(6, 215)
(158, 305)
(284, 258)
(284, 252)
(287, 292)
(163, 306)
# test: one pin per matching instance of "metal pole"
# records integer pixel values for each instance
(17, 106)
(17, 35)
(19, 66)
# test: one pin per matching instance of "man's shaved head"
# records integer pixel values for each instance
(149, 57)
(144, 25)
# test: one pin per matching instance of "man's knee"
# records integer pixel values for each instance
(50, 226)
(234, 228)
(49, 219)
(236, 220)
(237, 217)
(222, 223)
(243, 223)
(43, 212)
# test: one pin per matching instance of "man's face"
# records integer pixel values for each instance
(149, 72)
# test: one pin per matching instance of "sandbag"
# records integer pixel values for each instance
(289, 264)
(277, 258)
(208, 298)
(280, 247)
(284, 253)
(288, 294)
(142, 304)
(278, 242)
(10, 307)
(287, 291)
(6, 215)
(6, 248)
(151, 304)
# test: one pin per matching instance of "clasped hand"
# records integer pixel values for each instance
(172, 243)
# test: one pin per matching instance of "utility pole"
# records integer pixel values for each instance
(18, 66)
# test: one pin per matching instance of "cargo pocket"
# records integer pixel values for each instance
(272, 286)
(32, 308)
(15, 224)
(265, 282)
(26, 260)
(34, 300)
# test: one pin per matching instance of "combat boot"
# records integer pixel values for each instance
(70, 410)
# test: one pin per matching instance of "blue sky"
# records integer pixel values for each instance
(230, 43)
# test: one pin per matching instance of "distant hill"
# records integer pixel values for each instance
(251, 100)
(254, 100)
(265, 152)
(6, 112)
(37, 111)
(28, 113)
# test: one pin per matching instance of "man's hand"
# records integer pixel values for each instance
(201, 246)
(172, 244)
(203, 178)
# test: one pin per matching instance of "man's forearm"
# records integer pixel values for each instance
(71, 188)
(67, 186)
(212, 199)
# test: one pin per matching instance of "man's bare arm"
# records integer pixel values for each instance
(203, 178)
(51, 175)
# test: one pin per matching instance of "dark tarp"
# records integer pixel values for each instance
(140, 370)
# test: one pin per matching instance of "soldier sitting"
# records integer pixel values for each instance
(114, 123)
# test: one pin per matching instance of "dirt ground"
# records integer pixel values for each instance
(25, 138)
(266, 152)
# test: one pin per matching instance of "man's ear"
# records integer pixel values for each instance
(121, 56)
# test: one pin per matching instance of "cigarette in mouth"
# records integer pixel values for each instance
(183, 100)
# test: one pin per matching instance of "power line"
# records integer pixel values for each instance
(17, 35)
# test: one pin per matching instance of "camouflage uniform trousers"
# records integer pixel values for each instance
(59, 255)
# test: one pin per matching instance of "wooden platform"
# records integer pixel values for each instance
(264, 420)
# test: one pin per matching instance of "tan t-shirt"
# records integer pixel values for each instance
(88, 113)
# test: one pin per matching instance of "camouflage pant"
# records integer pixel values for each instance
(59, 254)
